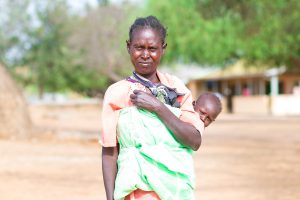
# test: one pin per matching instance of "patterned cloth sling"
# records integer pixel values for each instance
(162, 92)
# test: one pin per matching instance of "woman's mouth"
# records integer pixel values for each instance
(145, 63)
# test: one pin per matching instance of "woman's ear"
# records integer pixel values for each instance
(128, 45)
(164, 46)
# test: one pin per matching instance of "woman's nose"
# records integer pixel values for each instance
(145, 54)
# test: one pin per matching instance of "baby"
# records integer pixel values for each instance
(209, 106)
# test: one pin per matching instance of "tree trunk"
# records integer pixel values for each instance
(14, 116)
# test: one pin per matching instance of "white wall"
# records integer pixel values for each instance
(280, 105)
(286, 105)
(258, 104)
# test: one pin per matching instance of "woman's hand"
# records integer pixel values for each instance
(185, 133)
(145, 100)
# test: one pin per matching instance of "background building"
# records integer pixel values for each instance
(251, 89)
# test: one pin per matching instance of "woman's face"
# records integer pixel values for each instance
(145, 49)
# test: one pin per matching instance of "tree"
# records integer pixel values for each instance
(101, 36)
(195, 38)
(272, 33)
(81, 53)
(49, 55)
(14, 21)
(218, 31)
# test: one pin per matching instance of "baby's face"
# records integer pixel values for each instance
(208, 112)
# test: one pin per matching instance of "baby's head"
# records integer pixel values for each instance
(209, 106)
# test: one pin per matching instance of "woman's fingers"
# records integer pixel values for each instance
(133, 96)
(144, 100)
(137, 91)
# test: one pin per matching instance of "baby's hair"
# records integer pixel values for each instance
(216, 100)
(148, 22)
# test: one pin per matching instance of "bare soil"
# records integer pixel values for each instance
(241, 158)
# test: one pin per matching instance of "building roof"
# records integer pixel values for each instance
(243, 70)
(187, 72)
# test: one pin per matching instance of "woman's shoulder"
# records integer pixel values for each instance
(118, 89)
(118, 86)
(125, 86)
(174, 82)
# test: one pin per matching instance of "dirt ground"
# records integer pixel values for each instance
(242, 157)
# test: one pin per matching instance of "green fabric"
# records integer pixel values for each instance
(151, 159)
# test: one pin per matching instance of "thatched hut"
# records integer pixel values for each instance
(14, 117)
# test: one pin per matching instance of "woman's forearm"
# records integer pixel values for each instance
(185, 133)
(109, 169)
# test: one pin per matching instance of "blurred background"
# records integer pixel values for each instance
(57, 57)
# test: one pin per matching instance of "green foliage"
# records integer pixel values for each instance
(218, 31)
(51, 63)
(273, 32)
(86, 81)
(194, 38)
(48, 55)
(14, 20)
(86, 53)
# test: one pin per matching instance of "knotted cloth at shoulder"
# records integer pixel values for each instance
(162, 92)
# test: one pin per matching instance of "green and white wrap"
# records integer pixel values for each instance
(150, 158)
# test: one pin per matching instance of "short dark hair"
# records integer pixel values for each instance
(148, 22)
(214, 98)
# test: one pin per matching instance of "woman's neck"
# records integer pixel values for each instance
(153, 78)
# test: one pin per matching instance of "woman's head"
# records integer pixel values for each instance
(146, 45)
(148, 22)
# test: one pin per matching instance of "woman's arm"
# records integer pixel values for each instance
(184, 132)
(109, 169)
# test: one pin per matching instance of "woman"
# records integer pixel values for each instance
(151, 91)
